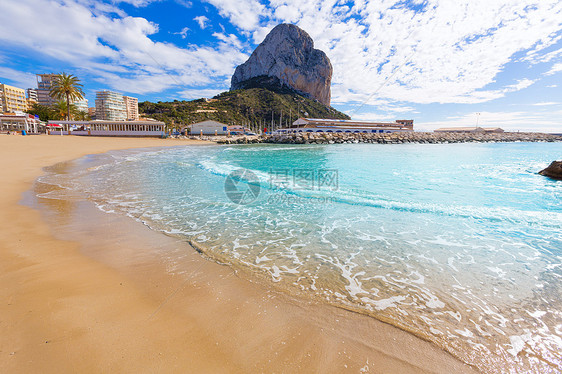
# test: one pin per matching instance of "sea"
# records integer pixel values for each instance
(459, 244)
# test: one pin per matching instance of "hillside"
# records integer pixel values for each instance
(254, 106)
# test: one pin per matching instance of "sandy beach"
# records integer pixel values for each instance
(102, 298)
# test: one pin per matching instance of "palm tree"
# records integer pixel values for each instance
(82, 115)
(67, 87)
(61, 109)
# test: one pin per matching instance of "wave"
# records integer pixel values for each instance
(354, 196)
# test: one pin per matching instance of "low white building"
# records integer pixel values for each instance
(21, 122)
(209, 127)
(111, 128)
(347, 126)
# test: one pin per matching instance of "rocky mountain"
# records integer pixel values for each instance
(287, 58)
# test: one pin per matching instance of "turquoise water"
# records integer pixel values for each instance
(458, 243)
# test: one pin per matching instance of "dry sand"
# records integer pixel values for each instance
(104, 297)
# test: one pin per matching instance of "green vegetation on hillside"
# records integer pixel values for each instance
(256, 107)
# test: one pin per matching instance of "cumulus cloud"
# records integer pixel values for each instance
(555, 69)
(453, 49)
(230, 39)
(244, 14)
(118, 51)
(202, 21)
(183, 32)
(414, 52)
(17, 78)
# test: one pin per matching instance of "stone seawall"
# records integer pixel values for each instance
(392, 138)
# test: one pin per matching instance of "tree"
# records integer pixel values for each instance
(45, 113)
(82, 115)
(67, 87)
(61, 110)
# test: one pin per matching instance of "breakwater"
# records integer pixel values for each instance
(390, 138)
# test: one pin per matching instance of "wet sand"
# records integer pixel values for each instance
(98, 292)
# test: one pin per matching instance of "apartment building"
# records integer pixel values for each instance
(110, 106)
(13, 98)
(31, 97)
(31, 94)
(44, 83)
(81, 105)
(132, 108)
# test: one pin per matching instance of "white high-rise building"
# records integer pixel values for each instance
(31, 94)
(110, 106)
(81, 105)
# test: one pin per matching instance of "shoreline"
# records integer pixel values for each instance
(95, 292)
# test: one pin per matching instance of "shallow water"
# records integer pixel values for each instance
(458, 243)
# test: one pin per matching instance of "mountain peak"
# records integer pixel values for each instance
(287, 55)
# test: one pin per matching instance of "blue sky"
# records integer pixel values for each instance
(438, 62)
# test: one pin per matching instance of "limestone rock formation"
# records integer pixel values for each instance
(554, 170)
(287, 57)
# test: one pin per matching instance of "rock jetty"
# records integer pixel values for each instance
(391, 138)
(287, 58)
(554, 170)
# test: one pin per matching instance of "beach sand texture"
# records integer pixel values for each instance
(105, 301)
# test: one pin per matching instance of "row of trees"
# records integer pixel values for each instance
(67, 88)
(58, 112)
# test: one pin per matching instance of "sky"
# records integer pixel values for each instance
(438, 62)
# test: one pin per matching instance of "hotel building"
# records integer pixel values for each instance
(110, 106)
(31, 97)
(44, 83)
(32, 94)
(132, 108)
(13, 99)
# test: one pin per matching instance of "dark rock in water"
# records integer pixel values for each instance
(554, 170)
(287, 58)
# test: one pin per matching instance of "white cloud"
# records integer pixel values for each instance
(230, 39)
(183, 32)
(521, 84)
(447, 52)
(546, 103)
(117, 50)
(202, 21)
(244, 14)
(137, 3)
(509, 121)
(457, 48)
(555, 69)
(552, 86)
(17, 78)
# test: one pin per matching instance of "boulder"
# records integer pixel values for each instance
(287, 58)
(554, 170)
